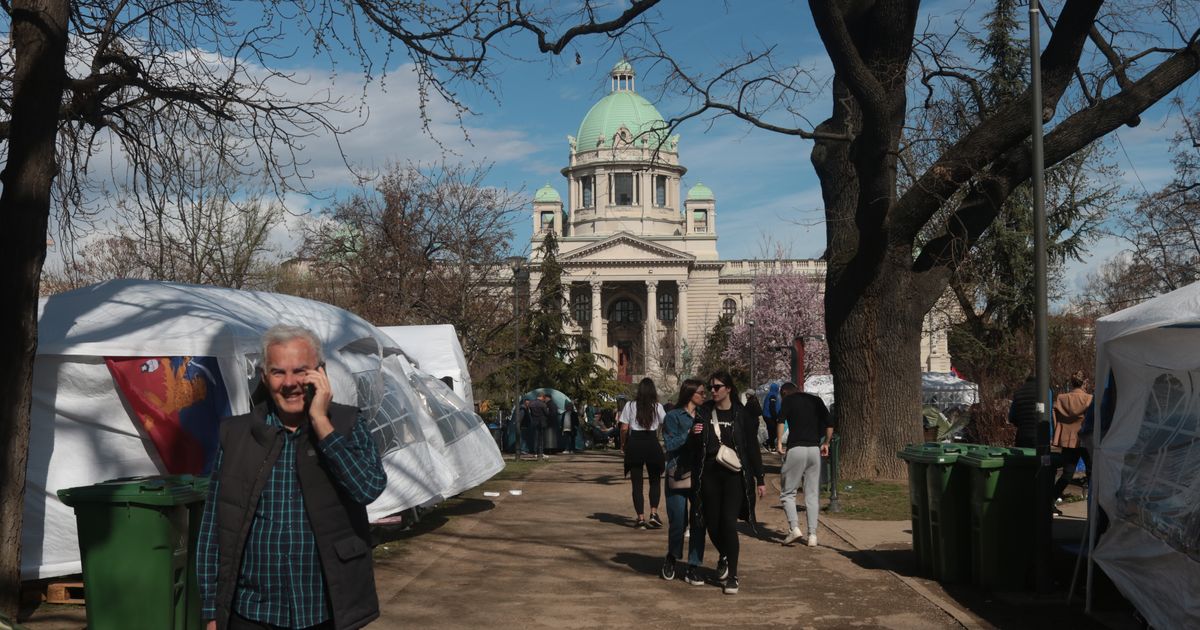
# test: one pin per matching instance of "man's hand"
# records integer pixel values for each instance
(825, 450)
(211, 625)
(781, 450)
(762, 491)
(318, 408)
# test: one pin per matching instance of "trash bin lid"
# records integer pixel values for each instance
(932, 453)
(999, 457)
(164, 490)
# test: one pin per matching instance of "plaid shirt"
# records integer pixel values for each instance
(280, 581)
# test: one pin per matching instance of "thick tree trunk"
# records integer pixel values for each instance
(39, 38)
(875, 359)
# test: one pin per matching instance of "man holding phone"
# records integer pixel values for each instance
(284, 541)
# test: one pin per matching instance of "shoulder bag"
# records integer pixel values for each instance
(726, 456)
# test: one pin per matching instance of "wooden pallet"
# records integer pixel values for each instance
(64, 593)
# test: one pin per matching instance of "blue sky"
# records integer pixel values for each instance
(764, 183)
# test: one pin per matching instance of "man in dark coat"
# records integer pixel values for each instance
(284, 540)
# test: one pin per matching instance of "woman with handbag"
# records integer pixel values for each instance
(640, 421)
(681, 465)
(730, 474)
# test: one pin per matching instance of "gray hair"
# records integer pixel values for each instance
(283, 333)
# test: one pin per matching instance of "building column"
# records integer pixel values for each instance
(651, 331)
(597, 342)
(681, 323)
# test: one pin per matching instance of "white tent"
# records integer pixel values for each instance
(1145, 464)
(941, 389)
(85, 429)
(435, 350)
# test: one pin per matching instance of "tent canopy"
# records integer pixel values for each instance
(435, 349)
(114, 355)
(1145, 462)
(940, 389)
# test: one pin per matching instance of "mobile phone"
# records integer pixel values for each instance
(310, 390)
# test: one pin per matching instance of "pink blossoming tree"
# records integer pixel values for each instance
(786, 306)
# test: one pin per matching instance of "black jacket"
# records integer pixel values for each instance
(745, 439)
(250, 449)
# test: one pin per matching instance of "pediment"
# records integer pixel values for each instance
(624, 246)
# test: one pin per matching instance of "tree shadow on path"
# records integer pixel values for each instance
(639, 562)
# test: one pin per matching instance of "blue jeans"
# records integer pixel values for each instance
(678, 502)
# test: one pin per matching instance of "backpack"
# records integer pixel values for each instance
(771, 405)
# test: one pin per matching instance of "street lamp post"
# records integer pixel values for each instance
(519, 273)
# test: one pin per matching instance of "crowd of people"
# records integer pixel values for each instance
(711, 458)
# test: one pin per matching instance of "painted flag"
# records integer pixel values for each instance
(179, 402)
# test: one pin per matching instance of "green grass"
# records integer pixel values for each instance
(879, 500)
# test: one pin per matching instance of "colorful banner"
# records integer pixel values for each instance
(179, 401)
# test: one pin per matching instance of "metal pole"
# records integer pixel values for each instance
(516, 419)
(752, 381)
(1043, 534)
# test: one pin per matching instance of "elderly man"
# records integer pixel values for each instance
(284, 541)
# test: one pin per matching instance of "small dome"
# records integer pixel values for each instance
(547, 193)
(700, 192)
(622, 67)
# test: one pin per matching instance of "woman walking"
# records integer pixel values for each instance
(682, 474)
(725, 493)
(640, 421)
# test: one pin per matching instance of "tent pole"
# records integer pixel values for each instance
(1093, 478)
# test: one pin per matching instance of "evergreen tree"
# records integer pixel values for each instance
(549, 355)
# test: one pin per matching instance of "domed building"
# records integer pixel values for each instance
(640, 259)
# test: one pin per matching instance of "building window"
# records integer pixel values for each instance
(625, 311)
(583, 307)
(660, 190)
(666, 307)
(700, 221)
(548, 220)
(624, 192)
(587, 191)
(729, 307)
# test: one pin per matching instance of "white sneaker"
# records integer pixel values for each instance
(812, 540)
(793, 535)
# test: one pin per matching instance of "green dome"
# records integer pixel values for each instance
(622, 108)
(547, 193)
(700, 192)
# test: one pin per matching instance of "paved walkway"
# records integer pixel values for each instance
(564, 554)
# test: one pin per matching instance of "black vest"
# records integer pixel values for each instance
(249, 449)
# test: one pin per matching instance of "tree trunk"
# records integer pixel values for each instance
(39, 39)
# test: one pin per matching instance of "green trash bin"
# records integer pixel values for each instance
(917, 456)
(136, 537)
(948, 490)
(1002, 515)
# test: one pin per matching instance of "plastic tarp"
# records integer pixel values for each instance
(436, 350)
(940, 389)
(1146, 461)
(85, 431)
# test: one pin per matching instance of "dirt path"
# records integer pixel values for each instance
(564, 554)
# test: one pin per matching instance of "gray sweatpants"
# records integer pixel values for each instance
(801, 462)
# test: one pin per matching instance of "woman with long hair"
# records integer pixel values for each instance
(726, 494)
(640, 421)
(682, 476)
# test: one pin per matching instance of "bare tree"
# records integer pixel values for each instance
(149, 75)
(421, 247)
(896, 237)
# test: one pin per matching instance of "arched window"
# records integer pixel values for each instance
(625, 311)
(729, 307)
(583, 307)
(666, 307)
